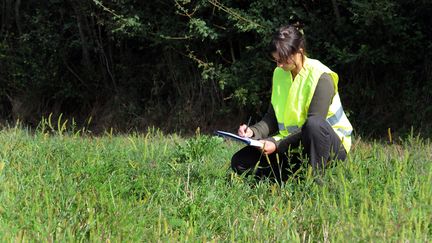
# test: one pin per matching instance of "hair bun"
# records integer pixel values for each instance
(299, 26)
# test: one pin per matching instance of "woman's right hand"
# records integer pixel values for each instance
(245, 131)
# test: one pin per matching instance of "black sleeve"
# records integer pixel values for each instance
(267, 126)
(322, 97)
(319, 106)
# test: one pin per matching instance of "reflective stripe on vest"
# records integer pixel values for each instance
(290, 129)
(333, 120)
(345, 133)
(336, 117)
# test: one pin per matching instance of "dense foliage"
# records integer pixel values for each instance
(183, 63)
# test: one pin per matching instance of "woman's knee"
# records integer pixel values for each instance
(313, 124)
(236, 162)
(243, 159)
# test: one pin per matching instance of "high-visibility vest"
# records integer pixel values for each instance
(291, 100)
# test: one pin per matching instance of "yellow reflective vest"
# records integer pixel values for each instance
(291, 99)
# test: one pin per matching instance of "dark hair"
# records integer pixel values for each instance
(287, 40)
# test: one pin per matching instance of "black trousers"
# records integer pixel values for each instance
(320, 144)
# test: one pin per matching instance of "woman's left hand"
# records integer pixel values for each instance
(268, 146)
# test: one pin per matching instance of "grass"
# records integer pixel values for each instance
(69, 186)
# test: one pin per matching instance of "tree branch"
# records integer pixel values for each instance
(17, 17)
(336, 12)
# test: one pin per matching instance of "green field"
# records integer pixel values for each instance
(57, 186)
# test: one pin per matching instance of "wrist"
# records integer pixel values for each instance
(253, 131)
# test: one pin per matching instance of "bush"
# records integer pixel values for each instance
(131, 63)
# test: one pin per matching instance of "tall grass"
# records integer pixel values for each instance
(67, 186)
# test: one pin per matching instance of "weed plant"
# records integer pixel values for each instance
(58, 185)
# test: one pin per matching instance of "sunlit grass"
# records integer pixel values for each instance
(57, 186)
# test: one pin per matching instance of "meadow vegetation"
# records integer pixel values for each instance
(58, 185)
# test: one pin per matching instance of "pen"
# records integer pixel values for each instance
(250, 117)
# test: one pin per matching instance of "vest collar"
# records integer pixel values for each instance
(303, 72)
